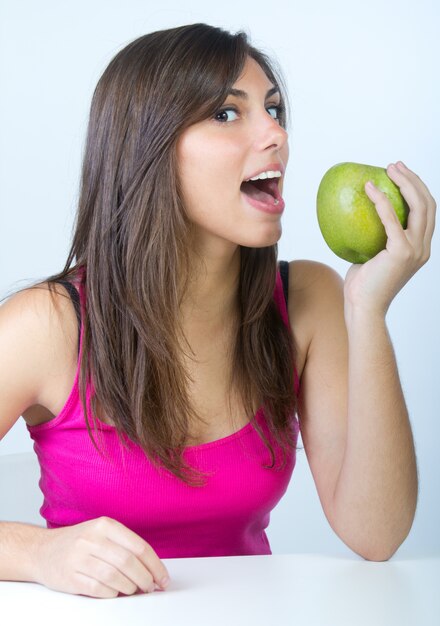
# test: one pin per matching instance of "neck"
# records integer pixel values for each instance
(211, 297)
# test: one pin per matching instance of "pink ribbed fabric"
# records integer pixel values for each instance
(228, 516)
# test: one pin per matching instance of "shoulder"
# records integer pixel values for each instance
(39, 308)
(38, 339)
(315, 300)
(312, 280)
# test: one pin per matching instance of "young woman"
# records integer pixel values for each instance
(167, 364)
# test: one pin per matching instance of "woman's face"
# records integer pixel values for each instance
(217, 155)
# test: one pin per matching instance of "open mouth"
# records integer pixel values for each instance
(263, 190)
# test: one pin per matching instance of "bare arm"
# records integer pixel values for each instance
(17, 551)
(22, 372)
(99, 557)
(353, 417)
(376, 490)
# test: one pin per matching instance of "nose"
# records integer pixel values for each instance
(269, 134)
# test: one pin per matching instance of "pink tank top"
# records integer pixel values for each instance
(226, 517)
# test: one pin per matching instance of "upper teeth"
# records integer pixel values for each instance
(268, 174)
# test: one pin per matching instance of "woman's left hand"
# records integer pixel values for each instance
(374, 284)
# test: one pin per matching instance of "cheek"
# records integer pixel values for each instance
(209, 168)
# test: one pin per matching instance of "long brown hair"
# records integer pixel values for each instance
(132, 236)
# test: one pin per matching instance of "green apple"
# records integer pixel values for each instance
(348, 218)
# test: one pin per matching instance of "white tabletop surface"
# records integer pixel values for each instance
(297, 589)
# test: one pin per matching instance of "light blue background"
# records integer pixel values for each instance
(363, 80)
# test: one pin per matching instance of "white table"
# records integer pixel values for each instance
(297, 589)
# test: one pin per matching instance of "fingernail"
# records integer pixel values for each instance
(401, 165)
(164, 582)
(370, 185)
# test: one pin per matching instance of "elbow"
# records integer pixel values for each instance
(380, 553)
(376, 542)
(375, 546)
(378, 557)
(371, 552)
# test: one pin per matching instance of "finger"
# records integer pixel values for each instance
(431, 203)
(387, 214)
(126, 562)
(107, 575)
(93, 588)
(430, 226)
(416, 200)
(120, 534)
(417, 181)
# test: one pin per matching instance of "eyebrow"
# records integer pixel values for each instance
(238, 93)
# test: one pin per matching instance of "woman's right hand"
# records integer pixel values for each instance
(99, 558)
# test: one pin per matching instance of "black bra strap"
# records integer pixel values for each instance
(284, 271)
(73, 292)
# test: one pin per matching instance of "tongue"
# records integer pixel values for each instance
(262, 190)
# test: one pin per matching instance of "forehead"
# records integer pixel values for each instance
(253, 73)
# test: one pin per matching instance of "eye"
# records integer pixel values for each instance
(224, 113)
(278, 108)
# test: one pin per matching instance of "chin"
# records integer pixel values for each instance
(263, 240)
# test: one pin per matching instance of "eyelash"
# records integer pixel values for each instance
(279, 108)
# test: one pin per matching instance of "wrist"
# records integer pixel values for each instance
(19, 546)
(36, 555)
(360, 302)
(35, 536)
(356, 314)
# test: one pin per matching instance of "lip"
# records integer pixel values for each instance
(266, 207)
(270, 166)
